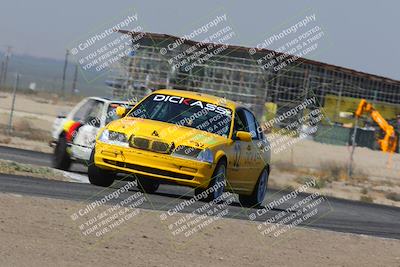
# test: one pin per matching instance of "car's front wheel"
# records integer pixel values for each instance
(257, 196)
(98, 176)
(216, 186)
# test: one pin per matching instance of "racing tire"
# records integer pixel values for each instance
(147, 185)
(98, 176)
(218, 179)
(61, 159)
(257, 196)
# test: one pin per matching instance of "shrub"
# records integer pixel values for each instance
(366, 198)
(393, 196)
(319, 182)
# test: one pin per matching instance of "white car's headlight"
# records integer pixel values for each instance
(204, 155)
(113, 138)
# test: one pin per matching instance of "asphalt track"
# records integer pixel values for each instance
(333, 214)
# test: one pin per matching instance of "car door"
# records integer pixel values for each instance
(238, 166)
(253, 156)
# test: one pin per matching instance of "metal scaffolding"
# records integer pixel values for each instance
(236, 75)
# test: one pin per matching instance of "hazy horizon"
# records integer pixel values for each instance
(362, 34)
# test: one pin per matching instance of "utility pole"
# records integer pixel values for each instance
(5, 69)
(64, 73)
(1, 72)
(75, 79)
(13, 103)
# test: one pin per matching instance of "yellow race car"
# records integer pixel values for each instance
(186, 138)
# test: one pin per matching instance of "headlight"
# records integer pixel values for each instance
(104, 135)
(206, 155)
(113, 138)
(188, 152)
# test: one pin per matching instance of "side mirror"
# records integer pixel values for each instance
(244, 136)
(120, 111)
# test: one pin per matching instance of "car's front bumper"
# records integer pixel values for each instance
(156, 165)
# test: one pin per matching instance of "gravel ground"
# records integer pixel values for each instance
(40, 232)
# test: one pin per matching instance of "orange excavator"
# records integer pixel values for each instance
(389, 142)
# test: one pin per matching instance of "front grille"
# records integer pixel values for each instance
(152, 145)
(140, 142)
(149, 169)
(160, 147)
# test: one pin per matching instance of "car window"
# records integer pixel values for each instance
(187, 112)
(94, 115)
(252, 124)
(111, 111)
(82, 112)
(240, 121)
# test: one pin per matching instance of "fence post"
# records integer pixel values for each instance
(353, 147)
(13, 103)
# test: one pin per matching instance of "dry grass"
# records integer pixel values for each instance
(393, 196)
(5, 140)
(11, 167)
(366, 198)
(319, 181)
(23, 128)
(335, 171)
(284, 166)
(364, 191)
(328, 172)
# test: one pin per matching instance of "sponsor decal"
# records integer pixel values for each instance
(192, 102)
(71, 128)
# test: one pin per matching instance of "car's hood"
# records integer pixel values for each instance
(167, 132)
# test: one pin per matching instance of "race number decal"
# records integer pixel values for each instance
(237, 155)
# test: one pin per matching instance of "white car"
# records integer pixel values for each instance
(73, 136)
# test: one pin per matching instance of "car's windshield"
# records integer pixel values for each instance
(185, 112)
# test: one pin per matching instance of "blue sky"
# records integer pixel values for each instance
(363, 35)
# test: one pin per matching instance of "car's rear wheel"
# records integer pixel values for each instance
(217, 182)
(61, 159)
(257, 196)
(98, 176)
(146, 185)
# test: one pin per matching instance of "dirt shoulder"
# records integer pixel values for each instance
(23, 143)
(39, 232)
(15, 168)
